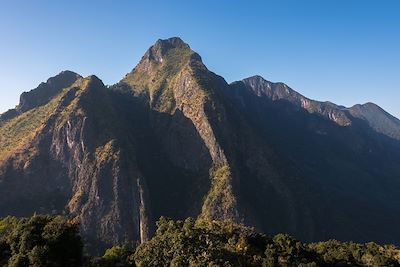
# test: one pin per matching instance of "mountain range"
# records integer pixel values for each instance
(174, 139)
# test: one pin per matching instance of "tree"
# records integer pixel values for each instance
(40, 241)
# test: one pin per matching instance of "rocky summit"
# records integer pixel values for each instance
(174, 139)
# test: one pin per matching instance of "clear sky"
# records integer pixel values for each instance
(344, 51)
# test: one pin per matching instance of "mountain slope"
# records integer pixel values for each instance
(375, 116)
(280, 91)
(76, 163)
(169, 78)
(42, 94)
(349, 172)
(378, 119)
(174, 139)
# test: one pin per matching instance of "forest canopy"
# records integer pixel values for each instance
(55, 241)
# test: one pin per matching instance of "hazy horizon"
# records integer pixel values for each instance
(339, 51)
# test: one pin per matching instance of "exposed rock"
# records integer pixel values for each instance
(42, 94)
(174, 139)
(280, 91)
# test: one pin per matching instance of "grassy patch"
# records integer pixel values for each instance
(157, 78)
(219, 201)
(16, 133)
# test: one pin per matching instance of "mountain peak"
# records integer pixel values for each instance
(162, 46)
(173, 41)
(42, 94)
(280, 91)
(367, 107)
(262, 87)
(93, 79)
(46, 90)
(257, 81)
(377, 118)
(64, 78)
(174, 139)
(67, 73)
(371, 105)
(255, 78)
(160, 64)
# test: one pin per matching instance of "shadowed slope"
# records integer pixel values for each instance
(174, 139)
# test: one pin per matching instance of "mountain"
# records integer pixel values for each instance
(378, 119)
(280, 91)
(174, 139)
(42, 94)
(347, 179)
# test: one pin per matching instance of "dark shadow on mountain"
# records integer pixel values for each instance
(328, 170)
(171, 156)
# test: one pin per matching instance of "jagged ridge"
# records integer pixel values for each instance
(174, 139)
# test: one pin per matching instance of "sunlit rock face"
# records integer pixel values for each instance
(174, 139)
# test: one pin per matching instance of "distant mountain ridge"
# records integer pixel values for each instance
(174, 139)
(280, 91)
(377, 118)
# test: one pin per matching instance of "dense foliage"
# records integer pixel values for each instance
(54, 241)
(40, 241)
(349, 253)
(216, 243)
(222, 243)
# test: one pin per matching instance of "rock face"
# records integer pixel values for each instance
(280, 91)
(42, 94)
(174, 139)
(77, 163)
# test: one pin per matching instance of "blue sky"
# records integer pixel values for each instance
(345, 51)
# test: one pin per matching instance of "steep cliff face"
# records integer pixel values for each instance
(186, 117)
(341, 174)
(118, 159)
(77, 163)
(203, 134)
(174, 139)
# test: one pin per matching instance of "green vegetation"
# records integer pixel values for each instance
(157, 78)
(54, 241)
(220, 199)
(166, 100)
(115, 256)
(17, 132)
(354, 254)
(218, 243)
(222, 243)
(199, 243)
(39, 241)
(77, 89)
